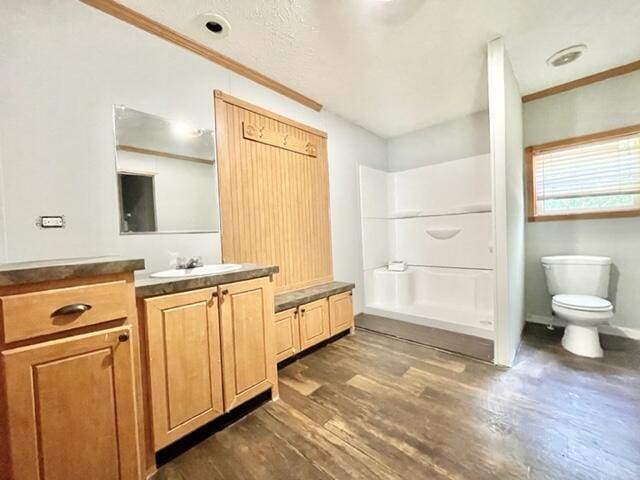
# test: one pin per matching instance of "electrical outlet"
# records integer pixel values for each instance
(50, 221)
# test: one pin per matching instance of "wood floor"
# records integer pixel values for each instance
(372, 407)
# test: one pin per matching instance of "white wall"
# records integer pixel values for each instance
(64, 65)
(593, 108)
(597, 107)
(460, 138)
(505, 107)
(3, 230)
(459, 185)
(349, 146)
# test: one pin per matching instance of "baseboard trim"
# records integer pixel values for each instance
(625, 332)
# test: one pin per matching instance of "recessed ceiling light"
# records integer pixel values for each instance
(214, 27)
(183, 130)
(566, 55)
(215, 24)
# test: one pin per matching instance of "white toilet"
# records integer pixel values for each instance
(580, 286)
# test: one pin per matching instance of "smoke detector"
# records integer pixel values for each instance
(566, 55)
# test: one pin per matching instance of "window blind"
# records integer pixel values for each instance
(602, 168)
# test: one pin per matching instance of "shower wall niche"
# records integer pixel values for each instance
(438, 219)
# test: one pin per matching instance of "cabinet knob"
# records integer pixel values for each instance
(123, 337)
(225, 292)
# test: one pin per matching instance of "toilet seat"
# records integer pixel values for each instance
(582, 303)
(583, 315)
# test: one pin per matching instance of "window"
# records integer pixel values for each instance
(595, 176)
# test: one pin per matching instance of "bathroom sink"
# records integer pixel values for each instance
(197, 271)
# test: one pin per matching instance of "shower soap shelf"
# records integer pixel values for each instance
(443, 233)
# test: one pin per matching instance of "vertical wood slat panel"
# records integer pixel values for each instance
(274, 202)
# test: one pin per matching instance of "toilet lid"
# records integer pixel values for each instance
(582, 302)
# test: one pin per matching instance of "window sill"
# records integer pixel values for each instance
(585, 215)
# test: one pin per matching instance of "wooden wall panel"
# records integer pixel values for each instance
(274, 201)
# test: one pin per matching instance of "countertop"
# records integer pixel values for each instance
(150, 287)
(285, 301)
(64, 268)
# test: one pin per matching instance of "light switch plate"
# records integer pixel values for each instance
(50, 221)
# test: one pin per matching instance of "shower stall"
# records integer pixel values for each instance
(458, 225)
(438, 220)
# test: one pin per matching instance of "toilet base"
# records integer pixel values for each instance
(582, 340)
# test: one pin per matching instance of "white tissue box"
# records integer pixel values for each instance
(397, 266)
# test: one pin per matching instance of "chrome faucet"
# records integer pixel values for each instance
(184, 264)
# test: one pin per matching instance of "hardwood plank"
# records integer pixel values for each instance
(373, 407)
(330, 453)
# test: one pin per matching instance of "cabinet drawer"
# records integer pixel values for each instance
(32, 314)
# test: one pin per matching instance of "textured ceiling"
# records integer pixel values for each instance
(400, 65)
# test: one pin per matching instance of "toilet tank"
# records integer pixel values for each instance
(577, 275)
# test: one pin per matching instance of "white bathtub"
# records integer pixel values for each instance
(455, 299)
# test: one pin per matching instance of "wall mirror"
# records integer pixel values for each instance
(167, 180)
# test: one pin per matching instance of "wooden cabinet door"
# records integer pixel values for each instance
(71, 408)
(287, 333)
(314, 323)
(184, 362)
(340, 312)
(248, 344)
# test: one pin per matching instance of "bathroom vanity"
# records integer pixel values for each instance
(99, 370)
(208, 347)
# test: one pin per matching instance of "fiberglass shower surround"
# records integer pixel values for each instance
(438, 219)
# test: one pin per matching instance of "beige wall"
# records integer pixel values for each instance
(594, 108)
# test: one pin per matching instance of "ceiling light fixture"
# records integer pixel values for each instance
(215, 24)
(566, 55)
(214, 27)
(183, 130)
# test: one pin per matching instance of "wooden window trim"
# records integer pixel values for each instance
(529, 157)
